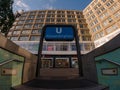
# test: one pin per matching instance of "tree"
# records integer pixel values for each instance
(6, 16)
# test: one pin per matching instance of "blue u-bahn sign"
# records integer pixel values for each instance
(59, 33)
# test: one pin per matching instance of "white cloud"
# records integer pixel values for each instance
(19, 5)
(44, 4)
(47, 4)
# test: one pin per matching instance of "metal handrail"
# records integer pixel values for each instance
(5, 62)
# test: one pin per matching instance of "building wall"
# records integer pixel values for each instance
(28, 26)
(12, 51)
(113, 81)
(10, 72)
(110, 46)
(103, 19)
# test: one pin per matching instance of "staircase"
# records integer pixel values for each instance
(57, 84)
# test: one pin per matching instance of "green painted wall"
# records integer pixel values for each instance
(6, 81)
(113, 81)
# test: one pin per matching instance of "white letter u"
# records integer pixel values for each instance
(58, 30)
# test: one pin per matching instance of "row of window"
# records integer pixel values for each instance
(51, 16)
(26, 38)
(112, 28)
(93, 23)
(36, 26)
(98, 35)
(25, 32)
(107, 21)
(36, 38)
(97, 28)
(47, 20)
(99, 8)
(51, 12)
(33, 46)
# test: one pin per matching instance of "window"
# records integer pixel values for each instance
(44, 48)
(24, 38)
(36, 31)
(94, 30)
(105, 23)
(50, 47)
(61, 47)
(28, 21)
(109, 71)
(102, 9)
(109, 3)
(81, 26)
(40, 16)
(87, 46)
(14, 38)
(73, 47)
(101, 17)
(114, 7)
(95, 21)
(32, 13)
(85, 38)
(38, 25)
(103, 0)
(31, 17)
(16, 32)
(74, 62)
(28, 26)
(35, 38)
(71, 20)
(50, 20)
(98, 12)
(26, 32)
(22, 18)
(110, 20)
(21, 22)
(101, 34)
(98, 27)
(112, 28)
(117, 15)
(18, 27)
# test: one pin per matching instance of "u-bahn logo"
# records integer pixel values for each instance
(58, 30)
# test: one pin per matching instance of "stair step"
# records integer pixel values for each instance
(72, 84)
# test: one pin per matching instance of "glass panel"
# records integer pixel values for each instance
(36, 31)
(35, 38)
(14, 38)
(24, 38)
(26, 32)
(16, 32)
(62, 63)
(74, 62)
(47, 63)
(73, 47)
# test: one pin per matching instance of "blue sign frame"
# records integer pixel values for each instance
(59, 33)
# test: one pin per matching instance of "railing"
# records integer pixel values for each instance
(5, 62)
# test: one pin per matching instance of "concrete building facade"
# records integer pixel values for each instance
(103, 19)
(26, 32)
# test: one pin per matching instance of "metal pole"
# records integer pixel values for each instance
(40, 54)
(78, 53)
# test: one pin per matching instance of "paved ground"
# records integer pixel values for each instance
(73, 84)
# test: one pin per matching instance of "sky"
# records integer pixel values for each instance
(49, 4)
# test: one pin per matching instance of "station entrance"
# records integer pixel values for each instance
(59, 65)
